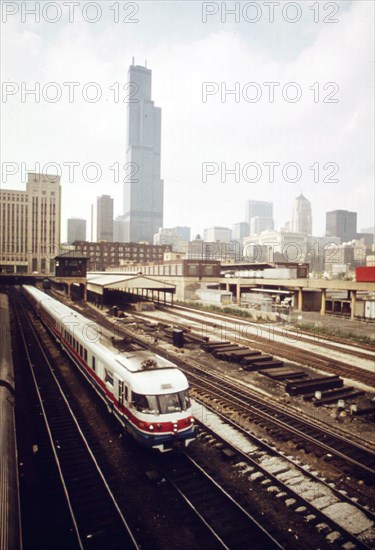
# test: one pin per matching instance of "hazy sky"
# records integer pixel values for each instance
(319, 55)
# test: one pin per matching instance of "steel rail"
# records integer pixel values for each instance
(83, 438)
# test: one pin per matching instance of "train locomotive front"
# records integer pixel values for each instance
(146, 392)
(159, 413)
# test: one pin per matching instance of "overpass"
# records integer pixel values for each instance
(187, 283)
(298, 286)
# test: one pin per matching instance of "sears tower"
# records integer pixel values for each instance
(143, 188)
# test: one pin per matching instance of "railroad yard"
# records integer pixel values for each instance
(284, 455)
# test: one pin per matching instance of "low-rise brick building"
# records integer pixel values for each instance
(102, 255)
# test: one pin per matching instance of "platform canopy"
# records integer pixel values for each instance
(126, 283)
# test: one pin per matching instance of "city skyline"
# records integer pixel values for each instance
(305, 221)
(311, 132)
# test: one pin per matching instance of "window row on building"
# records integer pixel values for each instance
(105, 254)
(175, 268)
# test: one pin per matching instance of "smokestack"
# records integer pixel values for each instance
(92, 223)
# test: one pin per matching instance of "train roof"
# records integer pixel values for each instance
(62, 311)
(142, 360)
(159, 381)
(37, 293)
(152, 373)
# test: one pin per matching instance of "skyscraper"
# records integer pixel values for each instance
(119, 229)
(104, 218)
(240, 230)
(261, 210)
(76, 230)
(301, 216)
(342, 224)
(143, 188)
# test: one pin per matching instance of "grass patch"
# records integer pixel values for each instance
(332, 331)
(217, 309)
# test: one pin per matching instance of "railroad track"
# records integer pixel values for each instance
(286, 423)
(189, 517)
(286, 351)
(298, 487)
(227, 524)
(96, 520)
(359, 350)
(230, 524)
(350, 456)
(170, 474)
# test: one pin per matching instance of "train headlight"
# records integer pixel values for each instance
(151, 427)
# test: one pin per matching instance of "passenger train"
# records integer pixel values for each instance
(147, 393)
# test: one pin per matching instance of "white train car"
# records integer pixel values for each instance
(147, 393)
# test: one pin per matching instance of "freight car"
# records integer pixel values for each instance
(10, 522)
(365, 274)
(147, 393)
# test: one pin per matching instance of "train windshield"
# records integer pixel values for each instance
(162, 404)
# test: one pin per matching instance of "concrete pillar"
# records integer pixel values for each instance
(85, 292)
(227, 287)
(353, 297)
(300, 299)
(323, 303)
(238, 294)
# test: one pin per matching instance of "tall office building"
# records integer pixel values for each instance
(213, 234)
(240, 230)
(76, 230)
(30, 225)
(261, 210)
(301, 216)
(170, 236)
(342, 224)
(104, 218)
(119, 229)
(183, 231)
(143, 188)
